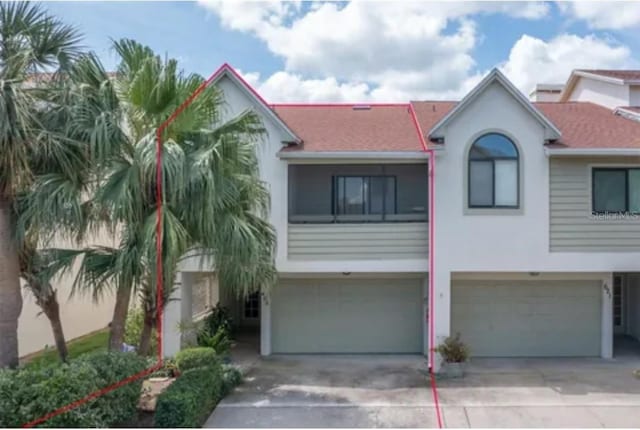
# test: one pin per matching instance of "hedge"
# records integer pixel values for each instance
(193, 358)
(32, 392)
(190, 399)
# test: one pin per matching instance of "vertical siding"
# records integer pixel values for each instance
(374, 241)
(572, 226)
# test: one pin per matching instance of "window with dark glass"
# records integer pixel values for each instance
(364, 195)
(615, 190)
(493, 173)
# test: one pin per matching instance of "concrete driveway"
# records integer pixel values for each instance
(554, 392)
(330, 391)
(391, 391)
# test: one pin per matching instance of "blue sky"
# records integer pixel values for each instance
(378, 51)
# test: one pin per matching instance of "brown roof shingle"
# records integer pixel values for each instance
(328, 128)
(390, 127)
(587, 125)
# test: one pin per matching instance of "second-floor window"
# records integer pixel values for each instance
(364, 195)
(615, 190)
(494, 173)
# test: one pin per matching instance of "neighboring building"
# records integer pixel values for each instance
(609, 88)
(618, 90)
(534, 228)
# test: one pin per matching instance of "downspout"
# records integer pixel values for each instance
(431, 190)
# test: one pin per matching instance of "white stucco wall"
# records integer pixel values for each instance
(603, 93)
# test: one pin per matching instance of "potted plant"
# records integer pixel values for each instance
(455, 353)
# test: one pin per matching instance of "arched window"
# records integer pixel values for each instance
(494, 173)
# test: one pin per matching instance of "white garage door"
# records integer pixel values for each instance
(527, 318)
(347, 316)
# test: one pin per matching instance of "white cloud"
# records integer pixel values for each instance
(603, 14)
(397, 50)
(382, 51)
(533, 60)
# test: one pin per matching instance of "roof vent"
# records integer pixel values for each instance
(361, 107)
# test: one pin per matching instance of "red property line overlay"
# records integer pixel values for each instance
(159, 264)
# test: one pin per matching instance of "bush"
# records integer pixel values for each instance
(214, 331)
(231, 377)
(453, 350)
(190, 399)
(193, 358)
(30, 393)
(220, 341)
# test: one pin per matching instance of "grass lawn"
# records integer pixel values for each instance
(96, 341)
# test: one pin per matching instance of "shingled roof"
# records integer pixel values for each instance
(334, 128)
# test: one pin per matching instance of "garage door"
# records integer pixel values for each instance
(347, 316)
(527, 318)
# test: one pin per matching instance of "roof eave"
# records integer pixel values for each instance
(341, 155)
(589, 152)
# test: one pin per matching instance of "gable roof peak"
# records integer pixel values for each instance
(495, 75)
(227, 70)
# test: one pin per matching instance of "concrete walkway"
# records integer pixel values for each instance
(392, 391)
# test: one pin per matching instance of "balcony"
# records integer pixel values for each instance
(357, 211)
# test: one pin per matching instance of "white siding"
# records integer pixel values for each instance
(358, 241)
(572, 226)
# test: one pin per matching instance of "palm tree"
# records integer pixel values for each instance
(36, 272)
(212, 197)
(31, 42)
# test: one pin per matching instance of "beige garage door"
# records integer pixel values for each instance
(347, 316)
(528, 318)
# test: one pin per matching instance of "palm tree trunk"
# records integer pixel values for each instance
(147, 332)
(10, 294)
(51, 309)
(120, 311)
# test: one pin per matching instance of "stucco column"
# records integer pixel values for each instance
(606, 348)
(425, 316)
(176, 311)
(265, 324)
(171, 315)
(441, 311)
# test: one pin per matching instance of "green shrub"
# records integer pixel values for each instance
(220, 341)
(231, 377)
(193, 358)
(30, 393)
(190, 399)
